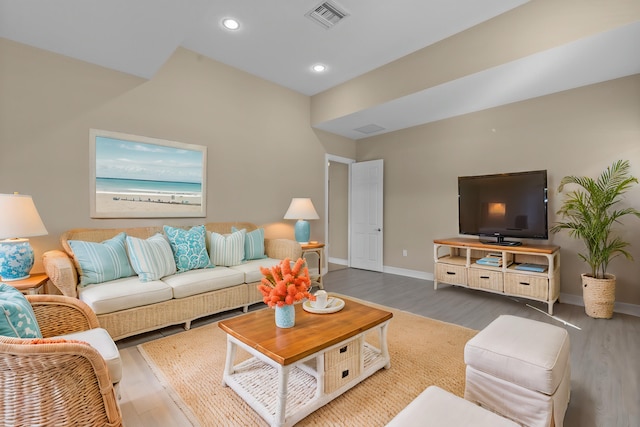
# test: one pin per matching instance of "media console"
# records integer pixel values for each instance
(456, 263)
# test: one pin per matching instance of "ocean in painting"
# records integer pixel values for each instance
(148, 188)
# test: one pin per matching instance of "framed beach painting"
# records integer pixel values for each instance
(139, 177)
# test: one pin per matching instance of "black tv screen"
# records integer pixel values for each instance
(504, 205)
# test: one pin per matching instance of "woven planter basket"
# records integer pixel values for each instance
(599, 296)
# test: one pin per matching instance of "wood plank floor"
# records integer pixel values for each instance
(605, 354)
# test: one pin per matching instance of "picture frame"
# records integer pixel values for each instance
(135, 176)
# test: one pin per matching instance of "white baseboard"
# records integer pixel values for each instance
(571, 299)
(391, 270)
(339, 261)
(408, 273)
(619, 307)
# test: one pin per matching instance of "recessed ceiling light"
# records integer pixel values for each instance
(230, 24)
(319, 68)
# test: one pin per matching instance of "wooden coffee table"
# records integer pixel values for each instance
(297, 370)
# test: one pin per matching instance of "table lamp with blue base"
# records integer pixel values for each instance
(18, 217)
(301, 209)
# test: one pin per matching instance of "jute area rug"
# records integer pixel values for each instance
(423, 352)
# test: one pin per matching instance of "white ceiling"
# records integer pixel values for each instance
(278, 43)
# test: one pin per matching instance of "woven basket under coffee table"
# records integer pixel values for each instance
(297, 370)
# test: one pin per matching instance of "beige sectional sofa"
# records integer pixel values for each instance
(128, 306)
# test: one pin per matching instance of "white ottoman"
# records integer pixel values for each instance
(520, 368)
(436, 407)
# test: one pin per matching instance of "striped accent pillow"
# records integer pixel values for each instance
(152, 259)
(253, 244)
(227, 249)
(101, 262)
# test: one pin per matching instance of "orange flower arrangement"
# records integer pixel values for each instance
(283, 285)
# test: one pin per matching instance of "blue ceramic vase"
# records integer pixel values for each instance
(285, 316)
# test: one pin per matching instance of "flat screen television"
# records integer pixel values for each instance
(504, 205)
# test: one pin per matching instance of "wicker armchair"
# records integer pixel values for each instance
(59, 383)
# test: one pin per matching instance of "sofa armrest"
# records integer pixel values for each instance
(61, 271)
(282, 248)
(60, 315)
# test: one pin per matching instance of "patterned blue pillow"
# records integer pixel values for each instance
(102, 262)
(253, 244)
(189, 247)
(17, 319)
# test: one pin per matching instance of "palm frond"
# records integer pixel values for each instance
(589, 214)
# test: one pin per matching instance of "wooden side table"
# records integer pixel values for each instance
(318, 249)
(31, 285)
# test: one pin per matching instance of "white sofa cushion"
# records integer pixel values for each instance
(100, 339)
(251, 269)
(203, 280)
(124, 293)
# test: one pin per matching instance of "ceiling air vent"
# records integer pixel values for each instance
(327, 14)
(368, 129)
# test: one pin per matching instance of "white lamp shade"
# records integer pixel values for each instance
(19, 217)
(301, 208)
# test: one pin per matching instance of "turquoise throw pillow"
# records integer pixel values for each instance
(227, 250)
(18, 319)
(189, 247)
(253, 244)
(152, 259)
(102, 262)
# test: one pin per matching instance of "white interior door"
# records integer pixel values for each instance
(366, 206)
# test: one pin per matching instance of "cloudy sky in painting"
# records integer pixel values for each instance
(121, 159)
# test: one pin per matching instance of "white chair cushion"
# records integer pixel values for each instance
(522, 351)
(100, 339)
(122, 294)
(439, 408)
(195, 282)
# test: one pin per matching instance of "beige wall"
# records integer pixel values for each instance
(262, 150)
(577, 132)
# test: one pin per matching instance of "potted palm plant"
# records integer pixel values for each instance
(589, 212)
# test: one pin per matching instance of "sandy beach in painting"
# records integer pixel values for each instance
(118, 202)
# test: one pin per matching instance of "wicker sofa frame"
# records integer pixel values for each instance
(62, 271)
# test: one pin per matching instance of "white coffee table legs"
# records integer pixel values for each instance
(228, 364)
(283, 384)
(265, 384)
